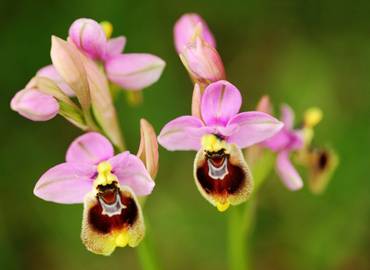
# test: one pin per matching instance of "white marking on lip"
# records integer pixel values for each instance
(218, 173)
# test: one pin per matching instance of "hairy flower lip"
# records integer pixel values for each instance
(101, 233)
(233, 187)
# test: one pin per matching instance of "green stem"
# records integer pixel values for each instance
(145, 252)
(240, 226)
(242, 218)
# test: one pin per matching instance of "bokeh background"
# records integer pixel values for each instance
(303, 53)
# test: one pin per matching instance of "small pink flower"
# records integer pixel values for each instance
(185, 30)
(221, 173)
(285, 142)
(107, 184)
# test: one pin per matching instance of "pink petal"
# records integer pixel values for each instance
(279, 141)
(89, 36)
(203, 62)
(287, 172)
(285, 139)
(252, 128)
(131, 172)
(221, 101)
(51, 73)
(185, 28)
(35, 105)
(114, 47)
(90, 148)
(182, 133)
(65, 183)
(134, 71)
(287, 116)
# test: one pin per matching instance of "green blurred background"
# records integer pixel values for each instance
(301, 52)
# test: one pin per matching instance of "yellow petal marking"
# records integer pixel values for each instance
(211, 143)
(105, 176)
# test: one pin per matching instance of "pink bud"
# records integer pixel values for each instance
(185, 29)
(203, 62)
(88, 36)
(35, 105)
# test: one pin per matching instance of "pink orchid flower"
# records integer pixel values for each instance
(107, 184)
(283, 143)
(131, 71)
(221, 173)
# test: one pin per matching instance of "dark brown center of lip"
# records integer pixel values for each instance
(323, 160)
(108, 196)
(230, 182)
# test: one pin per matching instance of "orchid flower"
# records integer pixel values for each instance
(196, 47)
(131, 71)
(283, 143)
(218, 135)
(107, 185)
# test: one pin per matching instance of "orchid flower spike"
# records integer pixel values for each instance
(107, 185)
(131, 71)
(220, 171)
(283, 143)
